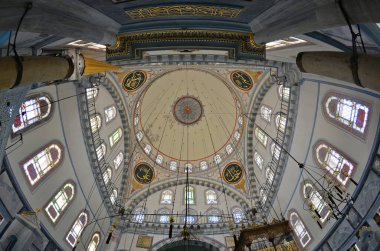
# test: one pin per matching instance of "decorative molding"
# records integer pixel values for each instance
(240, 45)
(187, 10)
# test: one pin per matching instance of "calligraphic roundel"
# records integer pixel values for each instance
(144, 173)
(134, 81)
(242, 80)
(233, 173)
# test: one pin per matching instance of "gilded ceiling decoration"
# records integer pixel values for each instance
(233, 173)
(134, 80)
(242, 80)
(190, 10)
(239, 45)
(144, 173)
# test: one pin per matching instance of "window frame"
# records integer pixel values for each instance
(96, 115)
(322, 220)
(105, 114)
(216, 197)
(72, 226)
(259, 156)
(171, 199)
(297, 239)
(119, 164)
(51, 170)
(114, 140)
(257, 138)
(265, 118)
(184, 195)
(341, 125)
(92, 238)
(233, 210)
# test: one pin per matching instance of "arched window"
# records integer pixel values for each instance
(173, 166)
(284, 92)
(42, 163)
(191, 216)
(237, 135)
(213, 215)
(115, 136)
(316, 202)
(275, 151)
(217, 159)
(167, 197)
(32, 111)
(92, 92)
(159, 159)
(110, 113)
(203, 165)
(188, 168)
(147, 149)
(101, 151)
(113, 196)
(94, 243)
(265, 113)
(95, 123)
(61, 200)
(263, 195)
(240, 120)
(259, 160)
(190, 195)
(280, 122)
(107, 175)
(138, 215)
(211, 197)
(261, 136)
(163, 215)
(229, 149)
(334, 161)
(347, 112)
(237, 214)
(303, 236)
(269, 174)
(77, 228)
(139, 136)
(136, 120)
(118, 159)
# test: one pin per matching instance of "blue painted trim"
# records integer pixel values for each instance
(308, 148)
(72, 165)
(361, 183)
(353, 88)
(24, 201)
(328, 40)
(4, 37)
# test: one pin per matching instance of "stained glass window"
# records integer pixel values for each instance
(77, 229)
(350, 113)
(237, 135)
(163, 215)
(115, 137)
(138, 215)
(118, 160)
(188, 168)
(113, 196)
(229, 149)
(92, 92)
(190, 195)
(167, 197)
(213, 215)
(265, 113)
(275, 150)
(159, 159)
(334, 161)
(107, 175)
(95, 123)
(94, 243)
(32, 111)
(42, 163)
(139, 136)
(237, 214)
(60, 202)
(280, 121)
(299, 229)
(217, 159)
(259, 160)
(203, 165)
(173, 166)
(110, 113)
(261, 136)
(147, 149)
(284, 92)
(211, 197)
(101, 151)
(318, 203)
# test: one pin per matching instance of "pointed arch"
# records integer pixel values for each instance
(77, 228)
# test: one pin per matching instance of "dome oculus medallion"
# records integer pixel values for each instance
(187, 110)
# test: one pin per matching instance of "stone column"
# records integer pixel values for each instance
(338, 65)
